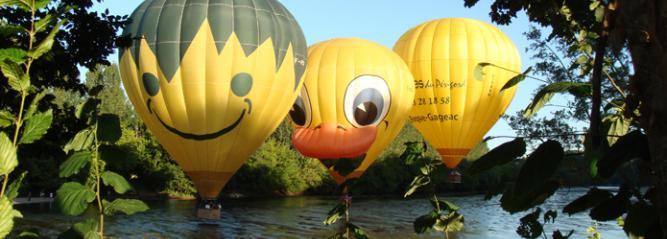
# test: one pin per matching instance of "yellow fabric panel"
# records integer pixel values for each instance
(198, 100)
(333, 64)
(452, 108)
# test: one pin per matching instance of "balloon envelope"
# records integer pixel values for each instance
(212, 79)
(355, 100)
(458, 100)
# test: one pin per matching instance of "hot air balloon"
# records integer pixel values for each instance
(355, 100)
(212, 79)
(458, 99)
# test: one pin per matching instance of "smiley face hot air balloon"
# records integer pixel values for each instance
(212, 79)
(355, 100)
(456, 103)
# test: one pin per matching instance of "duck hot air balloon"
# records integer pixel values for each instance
(212, 79)
(355, 99)
(458, 100)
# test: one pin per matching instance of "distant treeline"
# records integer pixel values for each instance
(275, 169)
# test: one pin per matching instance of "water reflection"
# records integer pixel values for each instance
(301, 217)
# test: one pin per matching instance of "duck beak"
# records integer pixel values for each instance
(330, 141)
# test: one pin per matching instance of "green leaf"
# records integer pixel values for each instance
(559, 235)
(417, 182)
(95, 90)
(87, 229)
(74, 163)
(334, 214)
(118, 182)
(628, 147)
(108, 128)
(36, 127)
(640, 219)
(550, 216)
(13, 189)
(7, 215)
(127, 206)
(514, 201)
(72, 198)
(30, 233)
(15, 55)
(42, 3)
(540, 166)
(6, 119)
(500, 155)
(7, 155)
(43, 23)
(453, 222)
(611, 208)
(18, 80)
(582, 59)
(425, 222)
(21, 4)
(47, 43)
(615, 125)
(599, 13)
(594, 5)
(479, 70)
(81, 141)
(357, 231)
(516, 79)
(6, 30)
(89, 107)
(545, 94)
(530, 227)
(34, 104)
(444, 205)
(593, 197)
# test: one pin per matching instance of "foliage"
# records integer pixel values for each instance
(74, 198)
(574, 52)
(444, 217)
(27, 121)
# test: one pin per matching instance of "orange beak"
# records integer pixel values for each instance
(329, 141)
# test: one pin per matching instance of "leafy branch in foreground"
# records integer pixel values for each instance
(29, 124)
(445, 216)
(342, 211)
(89, 151)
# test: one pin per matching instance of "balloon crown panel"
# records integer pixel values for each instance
(169, 27)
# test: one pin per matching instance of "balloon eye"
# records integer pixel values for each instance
(151, 84)
(366, 110)
(297, 113)
(367, 100)
(300, 112)
(241, 84)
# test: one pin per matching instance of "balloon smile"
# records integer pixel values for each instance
(209, 136)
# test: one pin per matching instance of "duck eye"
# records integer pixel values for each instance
(300, 112)
(367, 100)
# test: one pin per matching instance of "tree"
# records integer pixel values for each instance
(112, 96)
(625, 27)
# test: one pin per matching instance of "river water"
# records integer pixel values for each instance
(301, 217)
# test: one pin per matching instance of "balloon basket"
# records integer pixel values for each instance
(208, 209)
(454, 177)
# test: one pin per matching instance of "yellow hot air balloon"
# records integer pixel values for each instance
(355, 99)
(212, 79)
(458, 100)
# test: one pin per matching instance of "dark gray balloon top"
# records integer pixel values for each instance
(169, 27)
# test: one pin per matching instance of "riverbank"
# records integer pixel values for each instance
(33, 200)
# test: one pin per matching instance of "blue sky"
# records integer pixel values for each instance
(384, 22)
